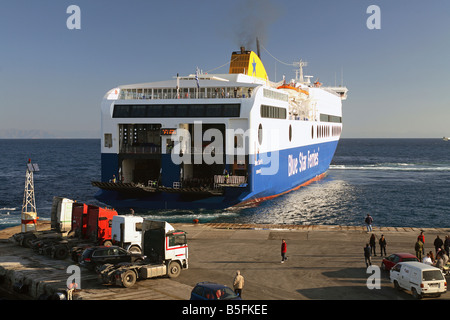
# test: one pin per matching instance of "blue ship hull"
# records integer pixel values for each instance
(269, 175)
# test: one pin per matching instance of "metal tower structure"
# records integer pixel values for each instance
(29, 213)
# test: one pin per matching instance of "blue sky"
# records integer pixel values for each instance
(53, 78)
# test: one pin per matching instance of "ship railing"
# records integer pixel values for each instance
(206, 150)
(210, 93)
(225, 180)
(140, 149)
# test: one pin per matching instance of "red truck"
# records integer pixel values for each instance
(99, 224)
(79, 220)
(91, 225)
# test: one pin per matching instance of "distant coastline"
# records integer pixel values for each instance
(42, 134)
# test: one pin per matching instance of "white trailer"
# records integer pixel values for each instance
(61, 214)
(61, 224)
(126, 231)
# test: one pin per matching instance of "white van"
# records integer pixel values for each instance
(419, 278)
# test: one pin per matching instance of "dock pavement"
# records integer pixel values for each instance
(325, 262)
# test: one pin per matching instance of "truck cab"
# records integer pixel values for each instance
(166, 252)
(126, 231)
(162, 243)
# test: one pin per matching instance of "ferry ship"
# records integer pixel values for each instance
(216, 140)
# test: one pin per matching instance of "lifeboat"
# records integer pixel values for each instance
(289, 87)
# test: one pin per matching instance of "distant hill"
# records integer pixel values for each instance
(42, 134)
(25, 134)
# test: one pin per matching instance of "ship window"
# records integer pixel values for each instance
(196, 110)
(169, 111)
(108, 140)
(173, 110)
(290, 132)
(272, 112)
(182, 111)
(330, 118)
(121, 111)
(260, 133)
(214, 110)
(231, 110)
(138, 111)
(154, 111)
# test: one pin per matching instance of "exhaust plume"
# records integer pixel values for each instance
(253, 17)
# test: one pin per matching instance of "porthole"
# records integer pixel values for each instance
(260, 134)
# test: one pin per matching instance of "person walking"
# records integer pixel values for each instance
(238, 283)
(372, 244)
(283, 251)
(382, 243)
(369, 221)
(367, 255)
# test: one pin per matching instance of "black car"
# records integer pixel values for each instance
(213, 291)
(99, 255)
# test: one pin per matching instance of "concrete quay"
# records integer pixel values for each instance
(324, 263)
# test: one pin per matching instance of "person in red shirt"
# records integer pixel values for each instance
(421, 238)
(283, 251)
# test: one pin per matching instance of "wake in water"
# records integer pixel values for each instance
(187, 216)
(9, 216)
(393, 167)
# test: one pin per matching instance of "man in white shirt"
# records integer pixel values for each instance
(427, 260)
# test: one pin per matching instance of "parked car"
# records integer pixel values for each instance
(95, 256)
(213, 291)
(419, 278)
(395, 258)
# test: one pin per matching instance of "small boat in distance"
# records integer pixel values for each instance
(446, 138)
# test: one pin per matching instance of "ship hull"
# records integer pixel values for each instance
(270, 175)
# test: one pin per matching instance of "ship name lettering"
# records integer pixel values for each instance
(313, 159)
(292, 165)
(303, 162)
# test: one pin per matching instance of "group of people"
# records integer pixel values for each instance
(438, 259)
(370, 248)
(441, 256)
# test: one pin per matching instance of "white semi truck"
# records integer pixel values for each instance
(166, 252)
(126, 232)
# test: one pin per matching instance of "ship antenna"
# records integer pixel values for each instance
(299, 73)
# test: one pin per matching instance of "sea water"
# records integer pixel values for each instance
(400, 182)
